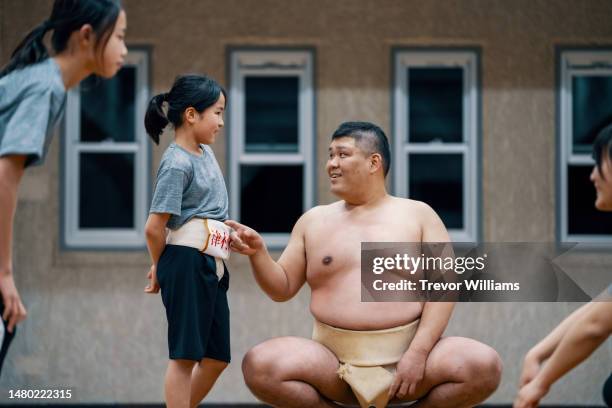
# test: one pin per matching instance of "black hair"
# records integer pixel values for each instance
(602, 146)
(66, 17)
(369, 137)
(197, 91)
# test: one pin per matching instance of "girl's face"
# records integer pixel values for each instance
(603, 184)
(115, 49)
(210, 122)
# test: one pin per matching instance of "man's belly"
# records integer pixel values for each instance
(341, 309)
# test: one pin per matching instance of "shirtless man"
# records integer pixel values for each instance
(324, 252)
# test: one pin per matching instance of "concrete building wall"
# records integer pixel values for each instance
(91, 328)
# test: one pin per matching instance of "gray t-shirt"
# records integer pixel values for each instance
(32, 101)
(189, 186)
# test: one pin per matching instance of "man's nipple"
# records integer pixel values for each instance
(327, 260)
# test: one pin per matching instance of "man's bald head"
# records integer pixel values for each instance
(369, 138)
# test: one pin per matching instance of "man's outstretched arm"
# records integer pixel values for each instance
(279, 280)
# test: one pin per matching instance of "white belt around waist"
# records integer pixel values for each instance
(209, 236)
(366, 348)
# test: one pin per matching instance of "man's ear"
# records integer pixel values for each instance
(375, 162)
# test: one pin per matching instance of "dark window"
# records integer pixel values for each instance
(271, 114)
(584, 217)
(435, 105)
(106, 198)
(437, 179)
(272, 196)
(591, 110)
(107, 107)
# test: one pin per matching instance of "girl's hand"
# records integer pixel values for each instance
(244, 240)
(14, 311)
(531, 366)
(529, 395)
(153, 286)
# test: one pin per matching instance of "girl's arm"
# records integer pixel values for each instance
(544, 349)
(155, 231)
(580, 339)
(11, 170)
(585, 334)
(547, 346)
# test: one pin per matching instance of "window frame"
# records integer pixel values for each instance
(574, 62)
(469, 60)
(73, 237)
(245, 62)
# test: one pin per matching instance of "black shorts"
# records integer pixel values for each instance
(607, 391)
(5, 336)
(196, 304)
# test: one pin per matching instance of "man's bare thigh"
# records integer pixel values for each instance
(452, 359)
(301, 359)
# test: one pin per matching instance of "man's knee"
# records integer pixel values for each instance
(258, 367)
(486, 370)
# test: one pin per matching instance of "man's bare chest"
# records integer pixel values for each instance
(333, 249)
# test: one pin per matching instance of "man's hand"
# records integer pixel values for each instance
(531, 366)
(244, 240)
(153, 286)
(410, 372)
(529, 395)
(14, 311)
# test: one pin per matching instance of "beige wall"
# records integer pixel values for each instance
(92, 329)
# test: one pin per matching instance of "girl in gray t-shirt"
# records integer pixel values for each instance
(88, 38)
(189, 186)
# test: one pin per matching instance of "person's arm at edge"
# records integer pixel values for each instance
(544, 349)
(548, 344)
(11, 171)
(155, 232)
(580, 340)
(582, 337)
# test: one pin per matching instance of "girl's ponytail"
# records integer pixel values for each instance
(155, 119)
(31, 49)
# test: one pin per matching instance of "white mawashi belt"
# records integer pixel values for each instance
(209, 236)
(367, 358)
